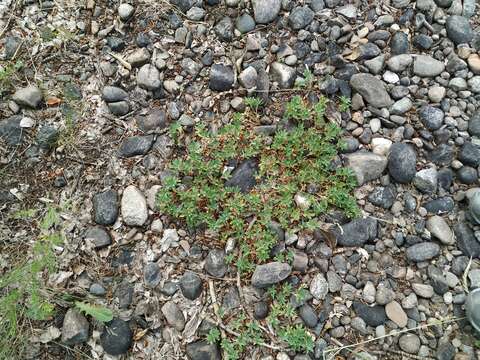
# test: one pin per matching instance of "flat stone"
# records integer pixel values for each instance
(422, 251)
(203, 350)
(113, 94)
(283, 74)
(466, 240)
(173, 315)
(439, 228)
(426, 66)
(395, 313)
(152, 275)
(105, 207)
(243, 177)
(30, 96)
(191, 285)
(75, 328)
(409, 343)
(426, 180)
(366, 166)
(402, 163)
(356, 232)
(117, 337)
(134, 207)
(11, 131)
(319, 287)
(221, 77)
(423, 290)
(266, 11)
(98, 236)
(268, 274)
(372, 315)
(372, 90)
(136, 145)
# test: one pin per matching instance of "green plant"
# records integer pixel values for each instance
(307, 80)
(23, 294)
(99, 313)
(249, 333)
(213, 335)
(7, 73)
(291, 164)
(297, 337)
(345, 103)
(253, 102)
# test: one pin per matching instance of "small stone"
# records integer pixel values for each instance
(384, 295)
(409, 343)
(372, 315)
(113, 94)
(423, 290)
(148, 77)
(105, 206)
(431, 117)
(215, 263)
(439, 228)
(47, 137)
(30, 96)
(221, 77)
(395, 313)
(173, 315)
(319, 287)
(134, 207)
(308, 315)
(266, 11)
(400, 62)
(75, 328)
(399, 43)
(426, 180)
(372, 90)
(300, 17)
(191, 285)
(436, 93)
(283, 74)
(466, 240)
(271, 273)
(152, 275)
(203, 350)
(136, 145)
(426, 66)
(248, 77)
(260, 310)
(459, 29)
(117, 337)
(422, 251)
(224, 29)
(245, 23)
(98, 236)
(356, 232)
(383, 196)
(366, 166)
(196, 13)
(97, 289)
(402, 163)
(243, 177)
(125, 11)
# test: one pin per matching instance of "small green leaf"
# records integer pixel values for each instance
(99, 313)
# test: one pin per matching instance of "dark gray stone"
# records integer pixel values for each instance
(308, 315)
(224, 29)
(202, 350)
(119, 108)
(117, 337)
(215, 263)
(356, 232)
(113, 94)
(399, 43)
(221, 77)
(260, 310)
(466, 240)
(191, 285)
(422, 251)
(11, 46)
(469, 154)
(99, 236)
(474, 124)
(438, 281)
(423, 41)
(372, 315)
(383, 196)
(402, 163)
(467, 175)
(445, 351)
(265, 11)
(441, 205)
(441, 155)
(156, 119)
(10, 130)
(268, 274)
(152, 275)
(300, 17)
(105, 207)
(369, 51)
(431, 117)
(371, 89)
(459, 29)
(183, 5)
(243, 177)
(136, 145)
(245, 23)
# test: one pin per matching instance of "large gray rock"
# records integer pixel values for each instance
(366, 166)
(272, 273)
(117, 337)
(426, 66)
(372, 90)
(134, 207)
(266, 11)
(75, 328)
(459, 29)
(300, 17)
(221, 77)
(402, 163)
(356, 232)
(30, 96)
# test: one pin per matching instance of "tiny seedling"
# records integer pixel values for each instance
(253, 103)
(345, 103)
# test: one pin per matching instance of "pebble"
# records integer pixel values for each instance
(409, 343)
(75, 328)
(395, 313)
(117, 337)
(30, 96)
(134, 207)
(191, 285)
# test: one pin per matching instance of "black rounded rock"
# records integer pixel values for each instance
(260, 310)
(215, 263)
(402, 163)
(191, 285)
(117, 337)
(105, 206)
(469, 154)
(431, 117)
(372, 315)
(399, 43)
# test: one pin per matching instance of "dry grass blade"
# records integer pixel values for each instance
(465, 276)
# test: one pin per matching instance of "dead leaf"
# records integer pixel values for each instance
(140, 334)
(53, 101)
